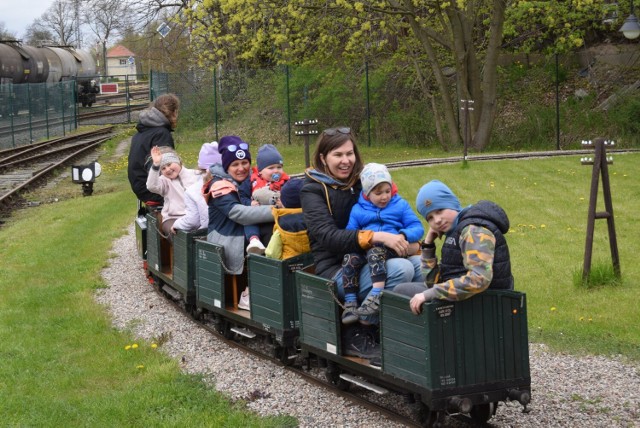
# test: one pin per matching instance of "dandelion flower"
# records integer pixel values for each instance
(134, 346)
(139, 366)
(553, 308)
(582, 199)
(126, 348)
(154, 345)
(542, 226)
(581, 318)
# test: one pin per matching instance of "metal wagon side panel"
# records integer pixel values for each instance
(319, 318)
(273, 294)
(210, 293)
(184, 261)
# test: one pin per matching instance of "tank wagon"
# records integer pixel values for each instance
(454, 358)
(21, 64)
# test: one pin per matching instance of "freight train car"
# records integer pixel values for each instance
(20, 64)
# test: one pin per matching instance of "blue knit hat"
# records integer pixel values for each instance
(268, 155)
(232, 148)
(290, 193)
(435, 195)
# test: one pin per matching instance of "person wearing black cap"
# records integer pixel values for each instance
(228, 215)
(290, 231)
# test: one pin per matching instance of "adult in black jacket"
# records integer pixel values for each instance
(330, 190)
(154, 129)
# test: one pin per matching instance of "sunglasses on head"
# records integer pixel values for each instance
(333, 131)
(233, 147)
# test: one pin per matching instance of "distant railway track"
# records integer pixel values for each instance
(90, 114)
(21, 168)
(110, 111)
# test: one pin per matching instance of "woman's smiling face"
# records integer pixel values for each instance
(340, 161)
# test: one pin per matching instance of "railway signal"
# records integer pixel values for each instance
(86, 175)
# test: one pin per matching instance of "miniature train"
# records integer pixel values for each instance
(455, 357)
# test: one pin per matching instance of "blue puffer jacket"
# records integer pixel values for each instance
(397, 217)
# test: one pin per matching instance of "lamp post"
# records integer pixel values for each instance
(631, 27)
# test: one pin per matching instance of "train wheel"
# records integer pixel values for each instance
(286, 355)
(481, 413)
(332, 373)
(427, 417)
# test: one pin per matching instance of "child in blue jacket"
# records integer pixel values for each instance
(379, 209)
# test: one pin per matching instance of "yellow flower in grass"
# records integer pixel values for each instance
(542, 226)
(126, 348)
(582, 199)
(154, 345)
(140, 367)
(134, 346)
(581, 318)
(553, 308)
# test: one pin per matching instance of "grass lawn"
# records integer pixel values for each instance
(64, 365)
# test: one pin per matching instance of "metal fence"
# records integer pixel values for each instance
(385, 106)
(30, 112)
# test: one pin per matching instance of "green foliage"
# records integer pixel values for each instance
(62, 362)
(601, 275)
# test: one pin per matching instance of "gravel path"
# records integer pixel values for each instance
(567, 391)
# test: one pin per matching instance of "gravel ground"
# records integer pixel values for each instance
(567, 391)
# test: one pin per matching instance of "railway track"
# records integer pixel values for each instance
(23, 167)
(307, 369)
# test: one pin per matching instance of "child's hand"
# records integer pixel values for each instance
(156, 155)
(416, 303)
(431, 237)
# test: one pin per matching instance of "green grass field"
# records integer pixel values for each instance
(64, 365)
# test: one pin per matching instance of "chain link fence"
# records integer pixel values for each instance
(34, 111)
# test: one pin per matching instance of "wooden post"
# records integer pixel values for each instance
(599, 163)
(306, 123)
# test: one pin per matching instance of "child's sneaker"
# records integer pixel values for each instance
(370, 306)
(244, 302)
(349, 315)
(255, 247)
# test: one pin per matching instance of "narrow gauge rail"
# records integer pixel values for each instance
(24, 166)
(137, 95)
(235, 341)
(110, 111)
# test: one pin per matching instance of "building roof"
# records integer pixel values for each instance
(119, 51)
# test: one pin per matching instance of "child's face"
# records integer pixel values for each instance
(171, 170)
(239, 169)
(380, 195)
(441, 220)
(272, 172)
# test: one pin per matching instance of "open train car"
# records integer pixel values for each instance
(454, 358)
(457, 357)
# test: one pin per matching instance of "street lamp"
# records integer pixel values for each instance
(631, 28)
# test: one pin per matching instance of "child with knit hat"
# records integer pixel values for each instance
(269, 177)
(169, 179)
(228, 196)
(289, 237)
(475, 254)
(196, 211)
(379, 209)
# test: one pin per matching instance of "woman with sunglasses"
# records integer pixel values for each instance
(331, 189)
(228, 195)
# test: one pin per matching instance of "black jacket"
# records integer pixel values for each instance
(489, 215)
(153, 130)
(328, 238)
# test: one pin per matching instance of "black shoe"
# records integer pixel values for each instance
(363, 346)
